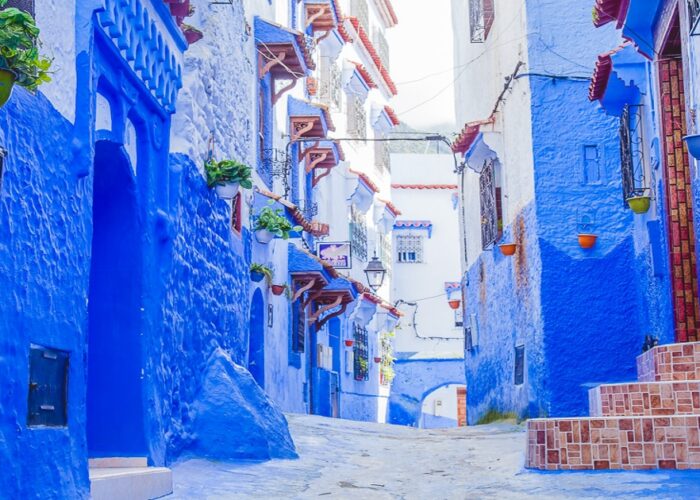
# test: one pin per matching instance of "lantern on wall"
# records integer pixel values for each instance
(375, 273)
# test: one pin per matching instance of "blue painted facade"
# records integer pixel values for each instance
(580, 314)
(120, 255)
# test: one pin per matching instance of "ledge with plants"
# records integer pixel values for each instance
(271, 223)
(20, 62)
(227, 177)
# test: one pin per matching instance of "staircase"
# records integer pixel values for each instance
(653, 423)
(128, 478)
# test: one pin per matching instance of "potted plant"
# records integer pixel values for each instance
(278, 289)
(20, 61)
(227, 176)
(586, 240)
(362, 363)
(454, 303)
(270, 223)
(349, 342)
(640, 201)
(377, 359)
(508, 249)
(259, 271)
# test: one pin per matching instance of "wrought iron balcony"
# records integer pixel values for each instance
(275, 164)
(632, 152)
(490, 217)
(361, 353)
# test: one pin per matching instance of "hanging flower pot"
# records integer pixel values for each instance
(278, 289)
(349, 343)
(256, 276)
(508, 249)
(587, 241)
(7, 81)
(227, 191)
(377, 359)
(639, 204)
(693, 144)
(264, 236)
(454, 304)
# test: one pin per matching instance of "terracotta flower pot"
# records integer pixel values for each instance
(277, 289)
(508, 249)
(349, 343)
(377, 359)
(454, 304)
(587, 241)
(7, 81)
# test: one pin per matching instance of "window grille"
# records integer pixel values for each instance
(481, 17)
(631, 152)
(693, 15)
(236, 219)
(275, 164)
(386, 370)
(409, 248)
(360, 10)
(358, 233)
(490, 201)
(385, 254)
(361, 353)
(382, 156)
(298, 326)
(357, 117)
(382, 47)
(25, 5)
(330, 84)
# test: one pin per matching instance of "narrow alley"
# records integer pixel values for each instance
(362, 460)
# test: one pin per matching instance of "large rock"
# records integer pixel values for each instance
(234, 418)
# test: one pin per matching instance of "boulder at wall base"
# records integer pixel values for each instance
(234, 418)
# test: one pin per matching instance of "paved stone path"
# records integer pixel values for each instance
(354, 460)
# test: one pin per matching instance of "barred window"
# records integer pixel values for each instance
(360, 353)
(330, 84)
(409, 248)
(358, 233)
(357, 117)
(632, 153)
(298, 326)
(481, 17)
(491, 206)
(25, 5)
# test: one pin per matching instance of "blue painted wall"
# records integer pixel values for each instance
(581, 315)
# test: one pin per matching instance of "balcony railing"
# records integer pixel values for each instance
(481, 17)
(275, 164)
(490, 217)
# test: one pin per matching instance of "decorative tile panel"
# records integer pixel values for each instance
(645, 399)
(670, 362)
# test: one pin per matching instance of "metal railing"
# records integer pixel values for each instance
(631, 152)
(361, 352)
(357, 117)
(358, 234)
(481, 17)
(490, 230)
(330, 86)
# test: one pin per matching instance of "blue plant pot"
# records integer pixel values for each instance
(256, 276)
(693, 143)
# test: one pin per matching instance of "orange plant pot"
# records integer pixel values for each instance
(277, 289)
(454, 304)
(587, 241)
(348, 343)
(508, 249)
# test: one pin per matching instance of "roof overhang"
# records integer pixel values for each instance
(479, 154)
(364, 190)
(282, 52)
(307, 119)
(607, 11)
(619, 79)
(321, 15)
(406, 225)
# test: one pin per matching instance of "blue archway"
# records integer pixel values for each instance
(115, 413)
(256, 343)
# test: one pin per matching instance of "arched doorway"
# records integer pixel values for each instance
(115, 413)
(444, 407)
(256, 343)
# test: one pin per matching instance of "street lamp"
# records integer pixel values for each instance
(375, 273)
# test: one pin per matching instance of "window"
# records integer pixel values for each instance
(358, 233)
(360, 10)
(693, 15)
(330, 84)
(236, 221)
(631, 153)
(519, 375)
(491, 206)
(361, 353)
(25, 5)
(357, 117)
(591, 165)
(265, 168)
(481, 17)
(409, 248)
(298, 326)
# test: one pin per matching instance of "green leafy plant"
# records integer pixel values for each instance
(264, 270)
(19, 48)
(272, 220)
(228, 171)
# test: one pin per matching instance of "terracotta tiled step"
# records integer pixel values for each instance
(645, 399)
(670, 362)
(631, 443)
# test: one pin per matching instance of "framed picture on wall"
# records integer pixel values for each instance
(338, 255)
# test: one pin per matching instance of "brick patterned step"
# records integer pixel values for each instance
(669, 363)
(630, 443)
(645, 399)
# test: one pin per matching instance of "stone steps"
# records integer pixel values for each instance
(120, 478)
(645, 399)
(650, 424)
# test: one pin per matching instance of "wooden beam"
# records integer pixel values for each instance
(327, 307)
(319, 324)
(303, 289)
(327, 171)
(278, 59)
(284, 89)
(299, 128)
(321, 157)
